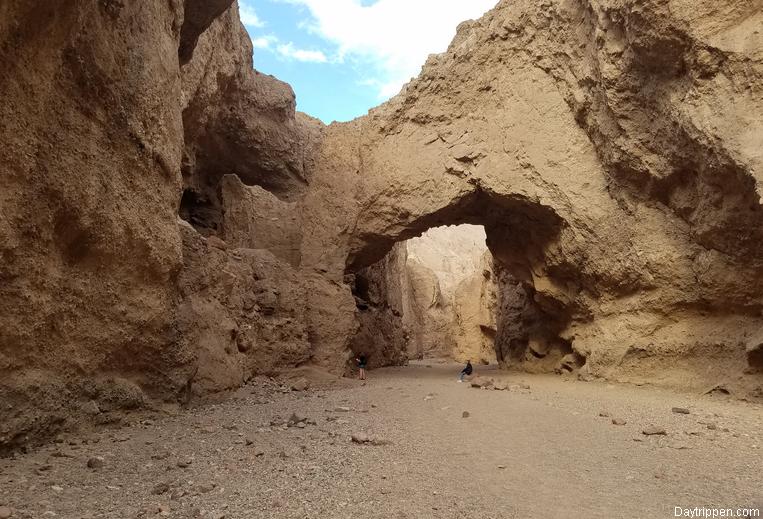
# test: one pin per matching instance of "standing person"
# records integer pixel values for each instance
(466, 371)
(361, 360)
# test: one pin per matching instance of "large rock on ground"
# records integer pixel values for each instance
(242, 312)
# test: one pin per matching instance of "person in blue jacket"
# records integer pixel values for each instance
(466, 371)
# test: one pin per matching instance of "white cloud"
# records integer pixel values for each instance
(249, 15)
(288, 50)
(395, 36)
(263, 42)
(271, 43)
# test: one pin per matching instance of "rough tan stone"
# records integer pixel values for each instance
(90, 150)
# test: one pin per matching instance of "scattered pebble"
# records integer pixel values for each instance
(654, 430)
(210, 456)
(206, 488)
(361, 438)
(300, 384)
(160, 489)
(296, 419)
(96, 463)
(680, 410)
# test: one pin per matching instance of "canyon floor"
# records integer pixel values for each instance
(550, 450)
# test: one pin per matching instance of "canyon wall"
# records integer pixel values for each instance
(90, 151)
(475, 308)
(452, 295)
(170, 225)
(114, 121)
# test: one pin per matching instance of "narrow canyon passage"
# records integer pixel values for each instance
(546, 447)
(433, 296)
(464, 291)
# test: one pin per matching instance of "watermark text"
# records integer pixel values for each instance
(701, 511)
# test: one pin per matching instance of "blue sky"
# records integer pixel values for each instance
(343, 57)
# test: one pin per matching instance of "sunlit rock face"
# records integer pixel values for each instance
(431, 296)
(452, 292)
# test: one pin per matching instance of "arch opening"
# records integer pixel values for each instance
(510, 306)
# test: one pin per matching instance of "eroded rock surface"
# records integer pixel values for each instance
(451, 318)
(90, 148)
(611, 150)
(432, 296)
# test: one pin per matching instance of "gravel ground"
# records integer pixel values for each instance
(545, 450)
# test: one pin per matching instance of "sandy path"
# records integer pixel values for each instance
(542, 453)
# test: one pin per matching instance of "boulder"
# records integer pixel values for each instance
(482, 382)
(300, 384)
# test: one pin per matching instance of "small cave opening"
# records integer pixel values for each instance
(201, 211)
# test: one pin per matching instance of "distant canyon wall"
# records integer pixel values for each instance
(432, 296)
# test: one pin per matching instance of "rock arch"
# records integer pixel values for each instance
(519, 232)
(544, 109)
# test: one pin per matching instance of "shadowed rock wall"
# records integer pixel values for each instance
(90, 149)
